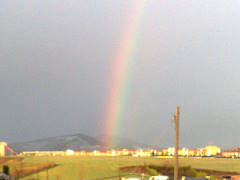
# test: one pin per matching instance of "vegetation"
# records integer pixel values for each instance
(201, 174)
(26, 171)
(6, 159)
(151, 171)
(98, 167)
(5, 169)
(168, 170)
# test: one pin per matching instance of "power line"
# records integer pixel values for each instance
(173, 119)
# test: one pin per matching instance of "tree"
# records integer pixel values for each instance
(152, 153)
(5, 169)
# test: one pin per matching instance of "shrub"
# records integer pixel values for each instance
(185, 168)
(194, 173)
(201, 174)
(5, 169)
(151, 172)
(157, 168)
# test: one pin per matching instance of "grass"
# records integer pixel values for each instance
(221, 164)
(81, 167)
(75, 168)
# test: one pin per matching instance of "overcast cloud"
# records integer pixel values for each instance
(55, 69)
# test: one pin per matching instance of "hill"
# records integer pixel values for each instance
(123, 143)
(76, 142)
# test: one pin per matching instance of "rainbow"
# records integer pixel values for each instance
(121, 64)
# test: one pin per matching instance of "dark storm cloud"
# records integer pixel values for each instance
(55, 61)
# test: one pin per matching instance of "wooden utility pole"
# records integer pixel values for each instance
(176, 117)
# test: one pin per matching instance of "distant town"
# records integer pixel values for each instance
(208, 151)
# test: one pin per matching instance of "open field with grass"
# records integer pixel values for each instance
(75, 168)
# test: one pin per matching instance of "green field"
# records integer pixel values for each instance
(75, 168)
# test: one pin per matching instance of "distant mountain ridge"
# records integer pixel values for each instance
(76, 142)
(124, 143)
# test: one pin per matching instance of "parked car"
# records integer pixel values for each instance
(158, 178)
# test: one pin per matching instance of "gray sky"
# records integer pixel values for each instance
(55, 69)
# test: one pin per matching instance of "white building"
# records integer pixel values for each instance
(3, 146)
